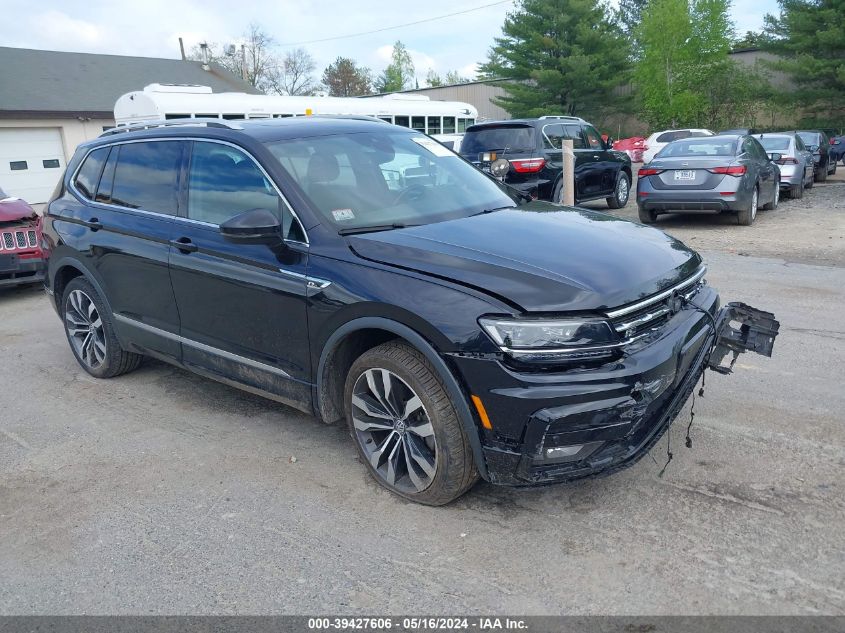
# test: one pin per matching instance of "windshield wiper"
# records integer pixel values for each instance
(483, 211)
(374, 228)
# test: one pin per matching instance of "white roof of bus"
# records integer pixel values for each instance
(157, 100)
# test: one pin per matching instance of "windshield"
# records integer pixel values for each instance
(809, 138)
(775, 142)
(698, 147)
(386, 178)
(513, 138)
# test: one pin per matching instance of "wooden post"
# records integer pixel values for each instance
(567, 189)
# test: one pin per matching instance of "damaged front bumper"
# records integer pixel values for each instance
(583, 422)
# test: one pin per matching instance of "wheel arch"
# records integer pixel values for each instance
(355, 337)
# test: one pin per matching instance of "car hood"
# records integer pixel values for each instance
(12, 209)
(539, 257)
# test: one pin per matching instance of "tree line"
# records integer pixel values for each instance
(668, 62)
(293, 72)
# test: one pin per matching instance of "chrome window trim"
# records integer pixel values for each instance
(202, 346)
(77, 193)
(634, 307)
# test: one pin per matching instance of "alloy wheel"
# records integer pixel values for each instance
(394, 430)
(85, 329)
(622, 191)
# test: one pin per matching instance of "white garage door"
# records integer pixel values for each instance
(31, 162)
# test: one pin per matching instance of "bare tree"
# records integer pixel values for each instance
(295, 74)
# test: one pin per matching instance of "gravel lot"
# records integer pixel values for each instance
(162, 492)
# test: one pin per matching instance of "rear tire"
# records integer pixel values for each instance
(621, 191)
(647, 216)
(746, 216)
(822, 175)
(409, 437)
(796, 192)
(90, 332)
(833, 172)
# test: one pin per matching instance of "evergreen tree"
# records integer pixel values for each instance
(808, 37)
(563, 57)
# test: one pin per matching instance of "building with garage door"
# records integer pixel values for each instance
(51, 101)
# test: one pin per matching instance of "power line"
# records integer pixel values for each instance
(397, 26)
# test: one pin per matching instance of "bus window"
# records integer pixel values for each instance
(282, 116)
(388, 119)
(234, 117)
(448, 125)
(207, 116)
(433, 125)
(259, 116)
(462, 125)
(470, 122)
(418, 123)
(402, 120)
(177, 116)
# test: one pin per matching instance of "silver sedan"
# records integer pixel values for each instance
(726, 173)
(796, 162)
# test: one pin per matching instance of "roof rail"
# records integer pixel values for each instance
(145, 125)
(560, 116)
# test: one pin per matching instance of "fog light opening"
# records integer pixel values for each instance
(570, 453)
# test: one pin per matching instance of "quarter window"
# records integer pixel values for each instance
(145, 176)
(89, 174)
(553, 136)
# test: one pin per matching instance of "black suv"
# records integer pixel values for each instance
(819, 143)
(534, 149)
(363, 272)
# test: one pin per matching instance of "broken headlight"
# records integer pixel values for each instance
(549, 340)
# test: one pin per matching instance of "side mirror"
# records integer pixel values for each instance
(252, 224)
(775, 157)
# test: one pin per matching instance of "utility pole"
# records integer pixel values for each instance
(182, 48)
(243, 62)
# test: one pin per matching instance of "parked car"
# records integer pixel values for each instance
(796, 161)
(21, 259)
(534, 149)
(363, 272)
(714, 173)
(837, 149)
(452, 141)
(740, 131)
(659, 140)
(819, 144)
(633, 147)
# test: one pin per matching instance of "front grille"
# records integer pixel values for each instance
(653, 312)
(32, 237)
(20, 237)
(8, 241)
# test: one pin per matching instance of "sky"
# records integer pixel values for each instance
(151, 28)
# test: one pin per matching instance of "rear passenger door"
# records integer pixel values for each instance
(131, 194)
(553, 136)
(241, 302)
(605, 166)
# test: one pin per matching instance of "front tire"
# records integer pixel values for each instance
(771, 206)
(746, 216)
(90, 332)
(621, 191)
(405, 427)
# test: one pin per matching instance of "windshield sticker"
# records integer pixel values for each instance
(343, 215)
(432, 146)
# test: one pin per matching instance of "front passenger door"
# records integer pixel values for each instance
(241, 302)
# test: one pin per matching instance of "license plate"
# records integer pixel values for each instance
(684, 174)
(8, 263)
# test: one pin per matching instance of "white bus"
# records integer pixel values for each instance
(166, 101)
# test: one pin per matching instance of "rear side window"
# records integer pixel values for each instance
(146, 176)
(514, 138)
(774, 143)
(224, 182)
(668, 137)
(89, 174)
(574, 132)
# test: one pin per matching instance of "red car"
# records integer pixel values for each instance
(21, 259)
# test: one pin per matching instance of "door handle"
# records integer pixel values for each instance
(185, 245)
(93, 224)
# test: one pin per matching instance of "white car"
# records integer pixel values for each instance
(659, 140)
